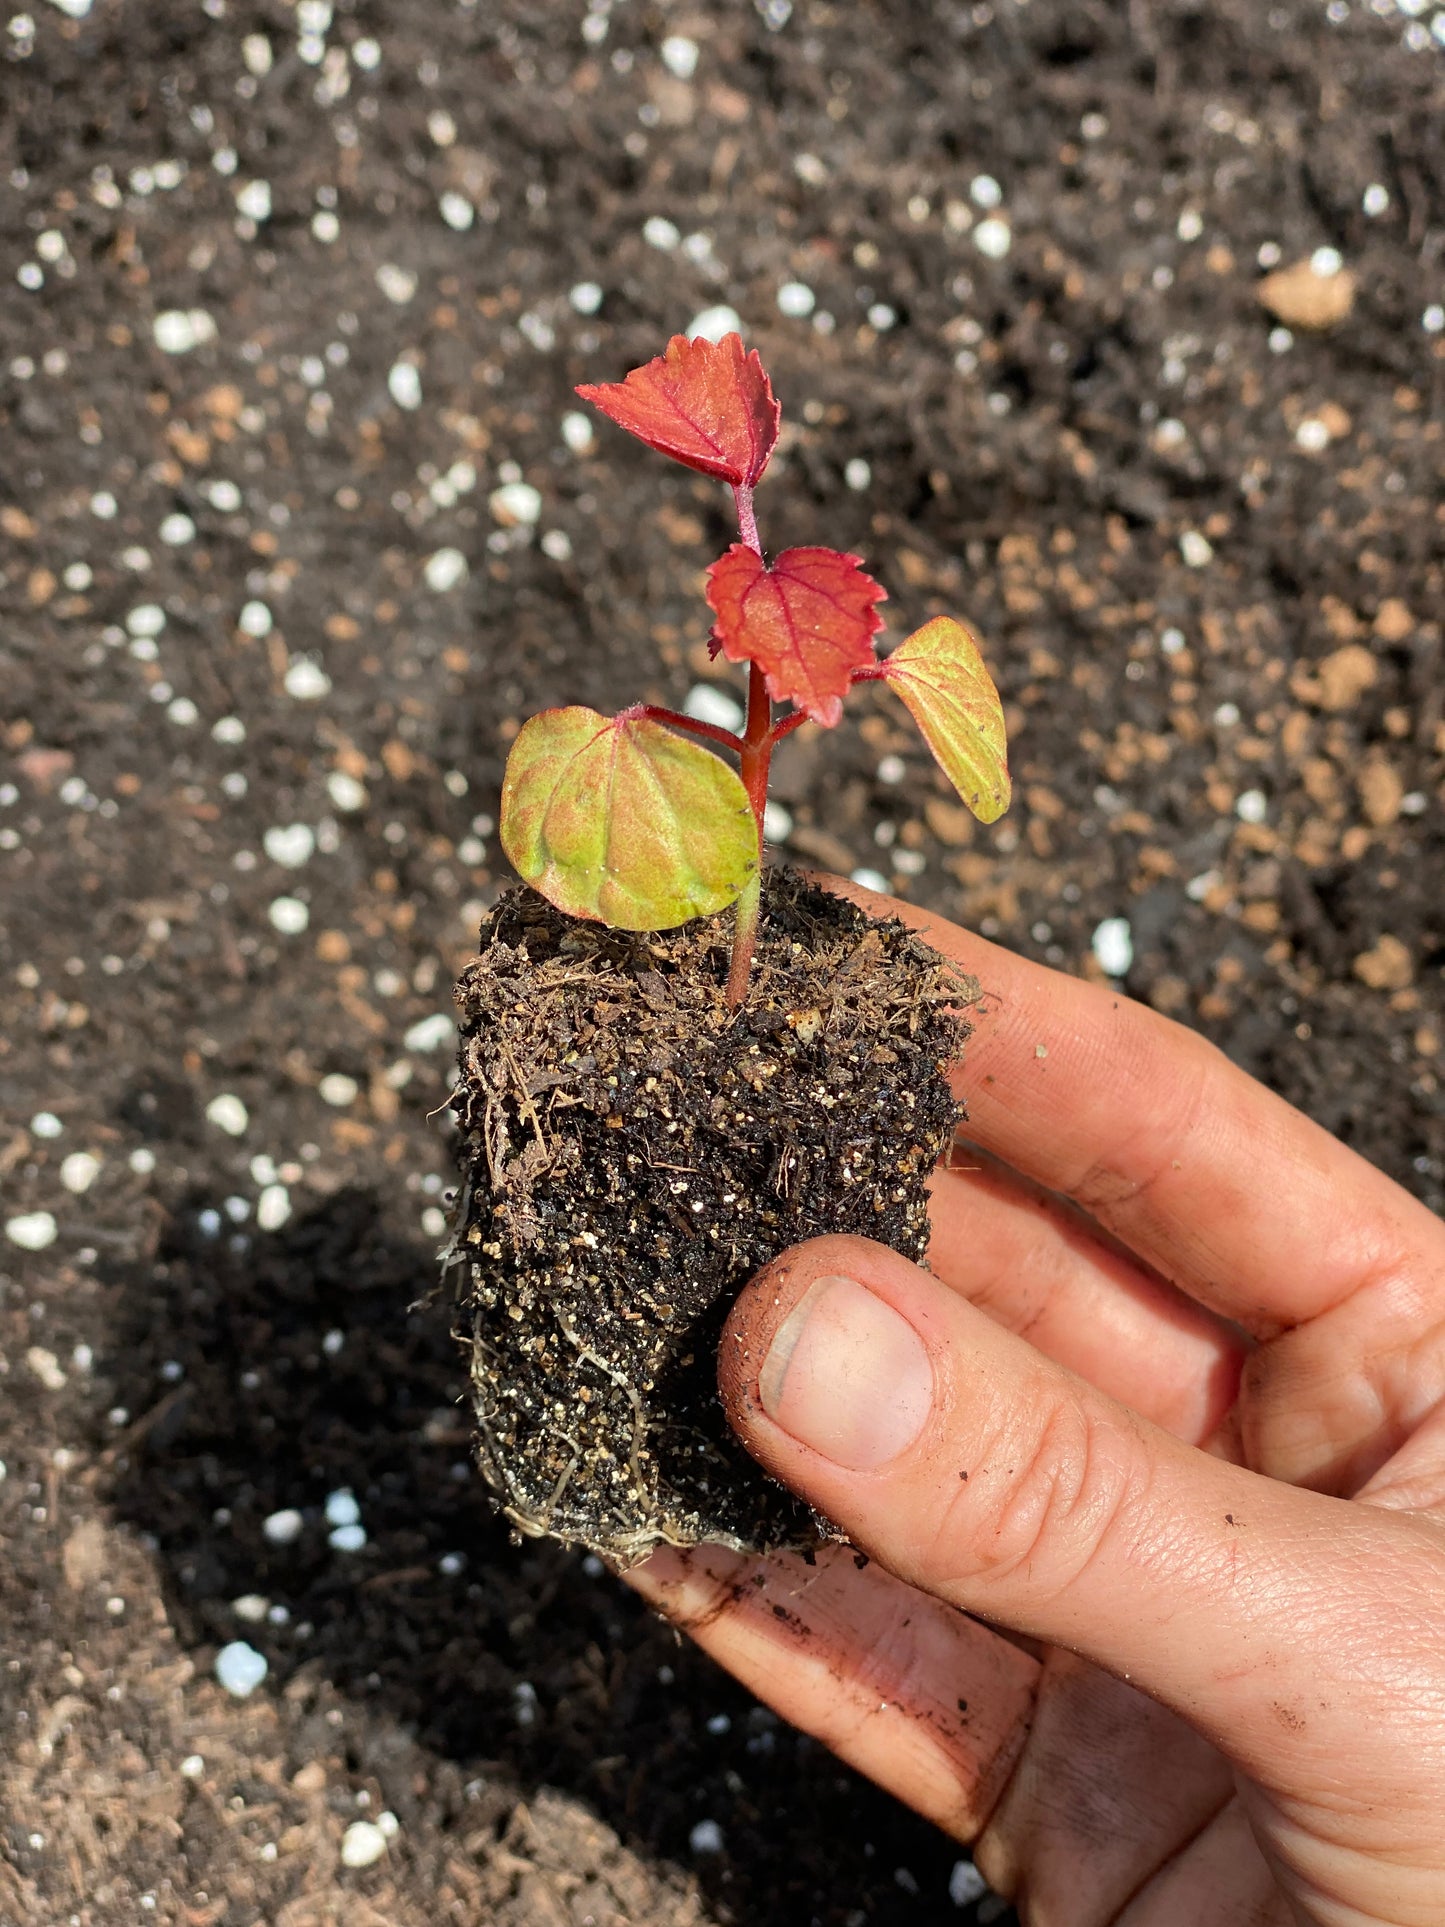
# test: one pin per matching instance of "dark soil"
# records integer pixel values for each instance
(1241, 752)
(632, 1151)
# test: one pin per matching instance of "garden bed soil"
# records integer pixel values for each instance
(267, 630)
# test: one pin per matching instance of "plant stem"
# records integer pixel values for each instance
(757, 744)
(745, 936)
(711, 732)
(794, 719)
(757, 753)
(754, 756)
(747, 519)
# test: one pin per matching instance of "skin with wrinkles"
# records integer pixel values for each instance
(1190, 1353)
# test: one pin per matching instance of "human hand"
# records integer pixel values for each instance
(1190, 1447)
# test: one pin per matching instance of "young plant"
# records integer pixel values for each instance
(620, 820)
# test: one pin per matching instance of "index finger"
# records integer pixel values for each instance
(931, 1704)
(1221, 1186)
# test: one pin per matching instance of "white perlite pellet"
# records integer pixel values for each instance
(431, 1033)
(345, 791)
(1113, 946)
(397, 284)
(404, 384)
(706, 704)
(178, 330)
(362, 1844)
(515, 504)
(965, 1884)
(711, 324)
(273, 1207)
(46, 1367)
(240, 1668)
(79, 1171)
(228, 1114)
(447, 569)
(679, 55)
(306, 680)
(146, 619)
(289, 915)
(254, 200)
(290, 844)
(577, 432)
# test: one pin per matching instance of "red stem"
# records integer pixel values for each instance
(675, 718)
(755, 755)
(757, 749)
(747, 519)
(757, 752)
(793, 720)
(760, 738)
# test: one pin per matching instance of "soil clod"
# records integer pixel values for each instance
(633, 1151)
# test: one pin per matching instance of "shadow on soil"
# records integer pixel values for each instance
(267, 1371)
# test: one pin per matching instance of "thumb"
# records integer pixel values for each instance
(967, 1463)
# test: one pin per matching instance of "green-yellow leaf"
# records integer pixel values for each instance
(617, 819)
(939, 673)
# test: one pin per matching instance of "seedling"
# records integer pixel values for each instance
(619, 819)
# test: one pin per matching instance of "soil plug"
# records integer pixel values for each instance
(656, 1098)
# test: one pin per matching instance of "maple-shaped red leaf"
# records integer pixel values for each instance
(704, 403)
(808, 622)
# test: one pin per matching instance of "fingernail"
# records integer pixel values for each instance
(847, 1376)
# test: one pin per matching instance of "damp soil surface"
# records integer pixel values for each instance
(295, 529)
(632, 1151)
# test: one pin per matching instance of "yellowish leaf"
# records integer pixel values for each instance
(616, 819)
(939, 673)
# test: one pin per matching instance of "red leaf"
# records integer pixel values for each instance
(808, 622)
(704, 403)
